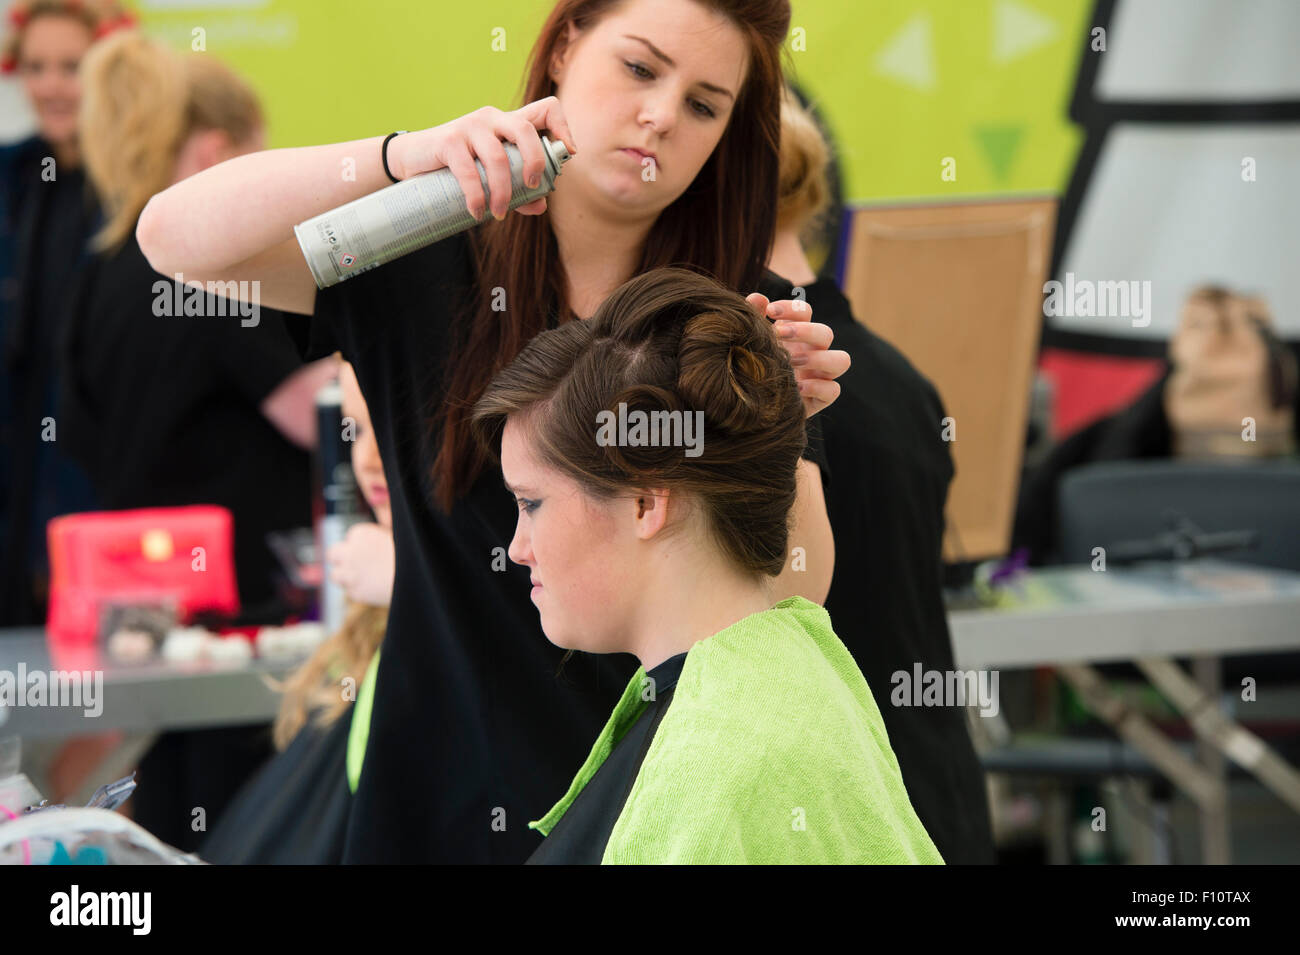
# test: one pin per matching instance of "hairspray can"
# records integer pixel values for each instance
(338, 503)
(409, 215)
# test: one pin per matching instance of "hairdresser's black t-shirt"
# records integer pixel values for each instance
(475, 731)
(163, 408)
(889, 472)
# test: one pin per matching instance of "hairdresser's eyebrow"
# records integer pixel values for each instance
(668, 61)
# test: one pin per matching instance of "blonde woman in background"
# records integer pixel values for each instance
(888, 481)
(170, 399)
(296, 809)
(47, 215)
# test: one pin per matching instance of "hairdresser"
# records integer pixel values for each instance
(473, 731)
(169, 410)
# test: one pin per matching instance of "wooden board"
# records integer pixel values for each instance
(958, 289)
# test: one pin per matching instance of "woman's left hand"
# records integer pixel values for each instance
(816, 366)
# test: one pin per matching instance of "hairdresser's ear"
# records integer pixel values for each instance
(650, 509)
(563, 50)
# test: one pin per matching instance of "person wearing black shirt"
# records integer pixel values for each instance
(888, 474)
(171, 396)
(48, 213)
(887, 486)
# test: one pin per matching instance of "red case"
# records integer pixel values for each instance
(145, 556)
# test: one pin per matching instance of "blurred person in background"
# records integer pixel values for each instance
(1226, 363)
(888, 477)
(48, 213)
(168, 409)
(295, 810)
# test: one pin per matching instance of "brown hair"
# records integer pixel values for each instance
(140, 102)
(803, 190)
(315, 686)
(100, 17)
(723, 224)
(669, 340)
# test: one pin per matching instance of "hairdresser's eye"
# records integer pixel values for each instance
(639, 71)
(702, 110)
(526, 505)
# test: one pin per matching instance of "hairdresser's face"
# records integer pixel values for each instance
(52, 48)
(581, 552)
(366, 463)
(619, 95)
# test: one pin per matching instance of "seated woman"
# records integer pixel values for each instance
(652, 451)
(295, 810)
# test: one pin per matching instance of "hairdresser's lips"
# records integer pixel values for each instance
(378, 494)
(537, 589)
(639, 154)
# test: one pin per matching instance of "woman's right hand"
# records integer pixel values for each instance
(478, 135)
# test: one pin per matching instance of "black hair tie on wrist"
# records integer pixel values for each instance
(383, 151)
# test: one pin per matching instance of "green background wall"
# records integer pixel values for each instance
(903, 83)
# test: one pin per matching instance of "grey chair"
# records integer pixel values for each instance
(1101, 505)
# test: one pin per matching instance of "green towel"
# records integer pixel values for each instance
(359, 731)
(772, 751)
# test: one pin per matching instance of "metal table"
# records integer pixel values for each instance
(1071, 617)
(145, 698)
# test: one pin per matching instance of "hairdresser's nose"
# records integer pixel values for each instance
(521, 547)
(658, 111)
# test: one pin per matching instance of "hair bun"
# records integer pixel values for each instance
(731, 370)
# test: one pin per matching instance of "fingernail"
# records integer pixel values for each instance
(784, 330)
(533, 181)
(775, 309)
(798, 360)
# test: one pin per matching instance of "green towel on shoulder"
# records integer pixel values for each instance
(772, 751)
(359, 731)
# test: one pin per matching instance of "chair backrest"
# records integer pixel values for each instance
(1102, 504)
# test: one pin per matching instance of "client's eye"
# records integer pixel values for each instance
(526, 505)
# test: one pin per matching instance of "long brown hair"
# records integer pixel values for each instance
(722, 224)
(668, 341)
(316, 686)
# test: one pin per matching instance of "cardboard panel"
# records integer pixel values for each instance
(958, 289)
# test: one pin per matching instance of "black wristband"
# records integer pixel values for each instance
(383, 152)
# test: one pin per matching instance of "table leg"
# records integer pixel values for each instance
(1216, 842)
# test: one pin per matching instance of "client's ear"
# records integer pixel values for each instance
(650, 508)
